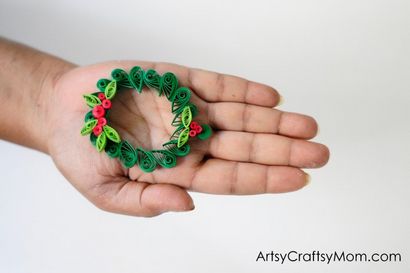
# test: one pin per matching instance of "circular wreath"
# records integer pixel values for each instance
(106, 138)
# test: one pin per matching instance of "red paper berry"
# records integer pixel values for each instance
(102, 121)
(194, 125)
(198, 129)
(98, 111)
(97, 130)
(101, 96)
(106, 104)
(192, 133)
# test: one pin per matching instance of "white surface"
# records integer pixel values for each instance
(347, 63)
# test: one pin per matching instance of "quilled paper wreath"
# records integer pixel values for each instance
(105, 138)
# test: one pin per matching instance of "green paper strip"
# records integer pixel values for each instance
(194, 109)
(121, 77)
(88, 127)
(177, 132)
(93, 139)
(173, 148)
(177, 121)
(91, 100)
(112, 149)
(101, 142)
(102, 84)
(151, 79)
(168, 84)
(186, 116)
(111, 89)
(112, 134)
(182, 97)
(136, 78)
(89, 116)
(146, 160)
(206, 132)
(183, 137)
(128, 155)
(165, 158)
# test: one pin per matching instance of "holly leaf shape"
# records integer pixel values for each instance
(88, 127)
(101, 142)
(111, 89)
(112, 134)
(186, 116)
(91, 100)
(183, 137)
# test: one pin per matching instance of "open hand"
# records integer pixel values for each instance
(254, 149)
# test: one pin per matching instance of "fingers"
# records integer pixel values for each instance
(219, 176)
(267, 149)
(209, 86)
(215, 87)
(251, 118)
(212, 86)
(141, 199)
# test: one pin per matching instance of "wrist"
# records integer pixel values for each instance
(27, 79)
(43, 111)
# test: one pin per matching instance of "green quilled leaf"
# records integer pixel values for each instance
(112, 149)
(186, 116)
(88, 127)
(101, 142)
(146, 160)
(91, 100)
(111, 89)
(112, 134)
(183, 137)
(128, 155)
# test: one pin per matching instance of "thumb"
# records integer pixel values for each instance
(142, 199)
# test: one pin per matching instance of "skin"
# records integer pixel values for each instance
(255, 148)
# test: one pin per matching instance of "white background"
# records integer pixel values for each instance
(347, 63)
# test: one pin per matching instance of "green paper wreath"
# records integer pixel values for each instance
(106, 138)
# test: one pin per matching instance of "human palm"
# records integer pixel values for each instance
(254, 149)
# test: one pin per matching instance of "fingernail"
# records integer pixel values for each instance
(188, 209)
(280, 100)
(308, 178)
(191, 206)
(184, 209)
